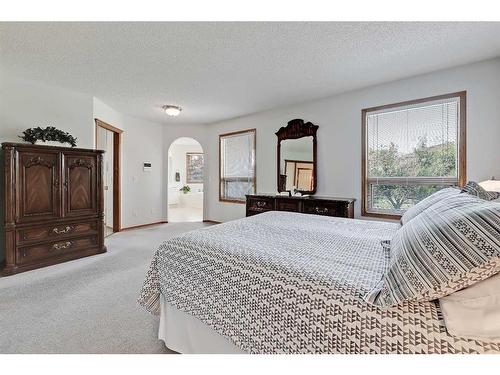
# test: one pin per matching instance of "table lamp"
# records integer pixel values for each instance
(491, 185)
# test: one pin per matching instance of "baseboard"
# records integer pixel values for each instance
(163, 222)
(143, 225)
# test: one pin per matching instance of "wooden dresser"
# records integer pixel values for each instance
(53, 205)
(327, 206)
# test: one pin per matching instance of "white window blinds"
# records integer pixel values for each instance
(237, 165)
(411, 151)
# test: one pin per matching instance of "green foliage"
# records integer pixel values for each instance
(423, 161)
(185, 189)
(438, 160)
(50, 133)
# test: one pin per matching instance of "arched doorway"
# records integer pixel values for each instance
(185, 180)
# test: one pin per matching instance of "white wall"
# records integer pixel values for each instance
(26, 104)
(339, 134)
(143, 197)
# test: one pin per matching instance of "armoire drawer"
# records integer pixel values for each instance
(29, 254)
(54, 232)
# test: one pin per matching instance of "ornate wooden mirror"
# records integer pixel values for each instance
(296, 151)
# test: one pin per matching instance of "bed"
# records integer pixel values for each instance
(282, 282)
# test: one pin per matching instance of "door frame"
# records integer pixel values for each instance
(116, 169)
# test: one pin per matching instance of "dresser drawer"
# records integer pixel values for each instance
(326, 206)
(34, 253)
(261, 204)
(291, 205)
(338, 209)
(54, 232)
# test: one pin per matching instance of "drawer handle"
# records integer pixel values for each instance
(261, 204)
(60, 246)
(320, 210)
(62, 231)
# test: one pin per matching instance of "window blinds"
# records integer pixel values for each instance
(408, 146)
(237, 170)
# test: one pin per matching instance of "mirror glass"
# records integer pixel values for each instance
(297, 164)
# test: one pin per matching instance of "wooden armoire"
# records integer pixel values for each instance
(53, 205)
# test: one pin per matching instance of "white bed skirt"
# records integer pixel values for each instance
(185, 334)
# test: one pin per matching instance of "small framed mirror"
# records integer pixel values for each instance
(296, 153)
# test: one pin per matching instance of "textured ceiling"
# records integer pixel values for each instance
(221, 70)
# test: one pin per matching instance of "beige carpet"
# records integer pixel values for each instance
(184, 214)
(87, 305)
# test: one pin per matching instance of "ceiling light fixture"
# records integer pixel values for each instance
(172, 110)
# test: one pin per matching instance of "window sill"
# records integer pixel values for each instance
(381, 215)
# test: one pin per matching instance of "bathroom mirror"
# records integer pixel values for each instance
(296, 152)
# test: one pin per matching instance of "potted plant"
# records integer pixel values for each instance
(50, 136)
(185, 189)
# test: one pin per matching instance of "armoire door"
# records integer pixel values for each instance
(39, 185)
(80, 185)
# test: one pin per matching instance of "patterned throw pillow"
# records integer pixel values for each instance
(449, 246)
(473, 188)
(427, 202)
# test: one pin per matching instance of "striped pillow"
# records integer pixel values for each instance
(427, 202)
(473, 188)
(449, 246)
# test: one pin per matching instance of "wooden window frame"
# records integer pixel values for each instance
(462, 148)
(117, 136)
(188, 181)
(239, 201)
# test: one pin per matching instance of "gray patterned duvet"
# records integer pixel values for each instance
(283, 282)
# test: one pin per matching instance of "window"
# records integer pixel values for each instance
(236, 165)
(194, 168)
(410, 150)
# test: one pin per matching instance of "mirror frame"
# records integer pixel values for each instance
(295, 129)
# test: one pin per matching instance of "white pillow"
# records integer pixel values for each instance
(427, 202)
(474, 312)
(450, 246)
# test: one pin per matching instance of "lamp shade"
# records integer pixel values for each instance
(491, 185)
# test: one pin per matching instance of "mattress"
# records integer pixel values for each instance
(283, 282)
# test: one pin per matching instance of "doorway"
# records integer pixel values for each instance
(185, 180)
(108, 138)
